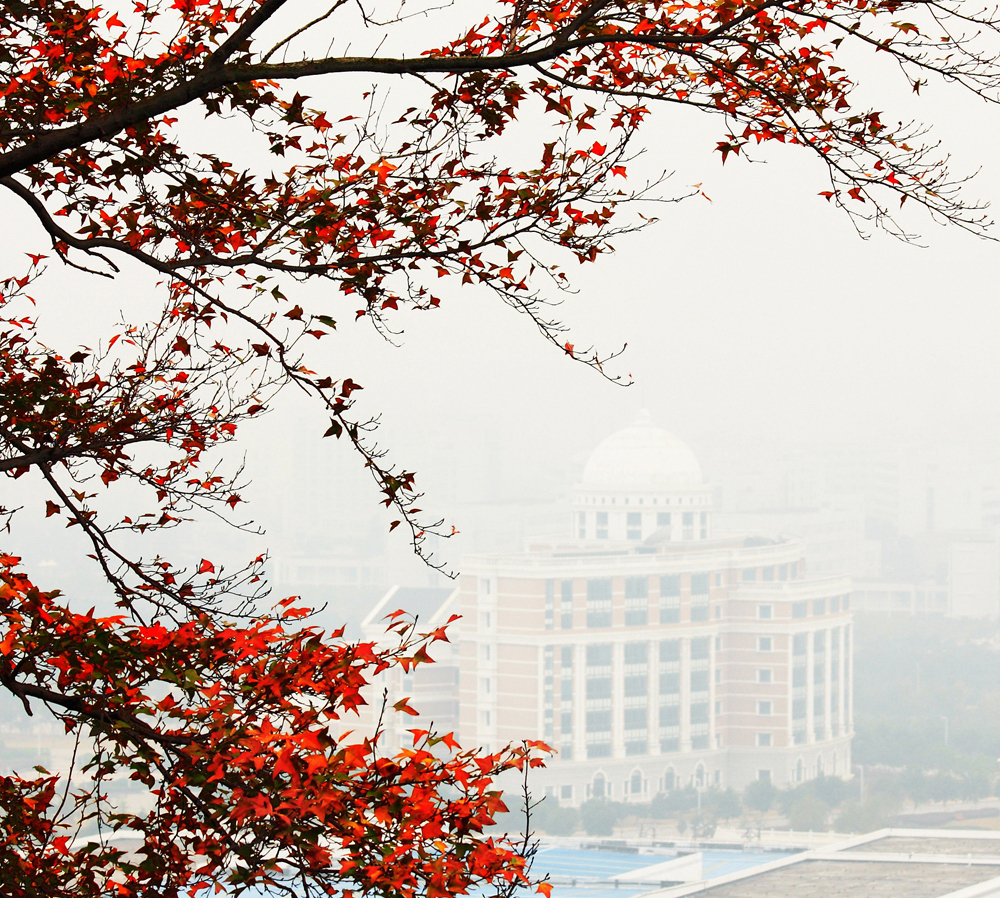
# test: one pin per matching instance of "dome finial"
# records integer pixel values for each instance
(643, 417)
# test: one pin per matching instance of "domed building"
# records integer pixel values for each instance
(650, 651)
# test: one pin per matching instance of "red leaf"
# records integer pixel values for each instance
(206, 567)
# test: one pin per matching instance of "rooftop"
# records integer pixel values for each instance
(889, 863)
(641, 458)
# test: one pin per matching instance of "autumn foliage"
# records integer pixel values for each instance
(234, 713)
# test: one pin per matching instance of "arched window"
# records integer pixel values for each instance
(819, 766)
(799, 769)
(834, 771)
(599, 787)
(635, 783)
(699, 776)
(669, 780)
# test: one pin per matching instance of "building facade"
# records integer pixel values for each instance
(651, 652)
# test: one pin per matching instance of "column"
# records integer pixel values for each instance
(579, 703)
(685, 697)
(653, 698)
(827, 687)
(810, 689)
(618, 700)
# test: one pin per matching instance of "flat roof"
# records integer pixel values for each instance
(963, 845)
(855, 879)
(888, 863)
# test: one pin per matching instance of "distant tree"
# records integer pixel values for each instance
(677, 801)
(724, 805)
(223, 707)
(974, 786)
(876, 812)
(550, 818)
(808, 814)
(760, 795)
(599, 815)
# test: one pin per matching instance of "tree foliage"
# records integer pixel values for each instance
(230, 713)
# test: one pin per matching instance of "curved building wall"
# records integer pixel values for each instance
(651, 666)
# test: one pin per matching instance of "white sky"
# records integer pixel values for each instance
(757, 320)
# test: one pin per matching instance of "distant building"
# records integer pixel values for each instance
(435, 685)
(650, 651)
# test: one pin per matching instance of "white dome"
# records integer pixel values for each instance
(641, 459)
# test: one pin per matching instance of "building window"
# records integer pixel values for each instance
(634, 525)
(566, 793)
(636, 652)
(799, 642)
(764, 676)
(763, 776)
(749, 574)
(798, 709)
(699, 584)
(764, 709)
(670, 650)
(670, 599)
(819, 642)
(718, 675)
(834, 604)
(764, 612)
(763, 740)
(566, 657)
(550, 604)
(566, 693)
(764, 643)
(636, 601)
(767, 573)
(602, 525)
(635, 719)
(636, 685)
(598, 722)
(699, 608)
(699, 712)
(582, 525)
(799, 609)
(699, 743)
(599, 602)
(669, 745)
(699, 648)
(819, 607)
(699, 680)
(566, 605)
(663, 519)
(599, 655)
(670, 715)
(598, 750)
(670, 683)
(718, 708)
(783, 572)
(798, 677)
